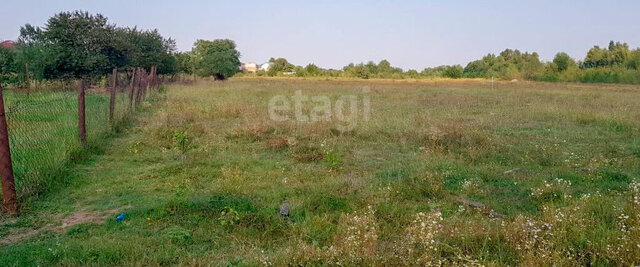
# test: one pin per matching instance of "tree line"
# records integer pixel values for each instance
(615, 64)
(79, 45)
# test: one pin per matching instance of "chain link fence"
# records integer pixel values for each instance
(43, 128)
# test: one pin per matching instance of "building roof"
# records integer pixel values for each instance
(8, 44)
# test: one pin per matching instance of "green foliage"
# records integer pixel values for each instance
(186, 62)
(79, 42)
(279, 65)
(433, 72)
(563, 61)
(37, 56)
(146, 49)
(228, 217)
(6, 65)
(413, 74)
(510, 64)
(333, 159)
(454, 72)
(312, 70)
(218, 58)
(182, 141)
(371, 70)
(615, 55)
(359, 71)
(633, 62)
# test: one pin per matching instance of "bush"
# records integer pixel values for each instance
(454, 72)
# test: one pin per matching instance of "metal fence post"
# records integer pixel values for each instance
(9, 197)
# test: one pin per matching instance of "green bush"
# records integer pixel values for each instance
(454, 72)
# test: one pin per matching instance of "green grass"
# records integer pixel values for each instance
(528, 174)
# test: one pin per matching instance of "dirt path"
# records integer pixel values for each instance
(67, 221)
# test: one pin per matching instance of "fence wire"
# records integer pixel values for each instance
(43, 132)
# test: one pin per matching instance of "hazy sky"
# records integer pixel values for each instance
(410, 34)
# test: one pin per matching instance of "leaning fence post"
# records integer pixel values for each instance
(82, 126)
(112, 100)
(9, 197)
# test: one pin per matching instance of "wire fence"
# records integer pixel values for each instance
(44, 127)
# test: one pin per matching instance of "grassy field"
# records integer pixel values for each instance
(443, 172)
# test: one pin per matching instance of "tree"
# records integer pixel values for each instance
(168, 65)
(33, 52)
(563, 61)
(146, 49)
(481, 68)
(633, 62)
(371, 67)
(358, 71)
(185, 62)
(312, 70)
(413, 74)
(80, 42)
(454, 72)
(530, 67)
(218, 58)
(6, 65)
(619, 52)
(30, 35)
(36, 56)
(385, 66)
(596, 57)
(279, 65)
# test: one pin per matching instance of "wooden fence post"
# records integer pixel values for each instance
(133, 85)
(140, 85)
(145, 85)
(82, 125)
(9, 197)
(26, 66)
(154, 76)
(112, 100)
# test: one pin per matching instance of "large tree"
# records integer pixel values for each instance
(218, 58)
(146, 49)
(81, 44)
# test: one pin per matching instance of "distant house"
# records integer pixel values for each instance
(8, 44)
(249, 67)
(265, 66)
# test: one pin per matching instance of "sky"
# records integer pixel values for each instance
(332, 34)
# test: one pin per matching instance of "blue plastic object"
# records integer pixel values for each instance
(121, 217)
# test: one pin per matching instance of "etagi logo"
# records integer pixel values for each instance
(345, 109)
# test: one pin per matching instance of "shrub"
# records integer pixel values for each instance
(454, 72)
